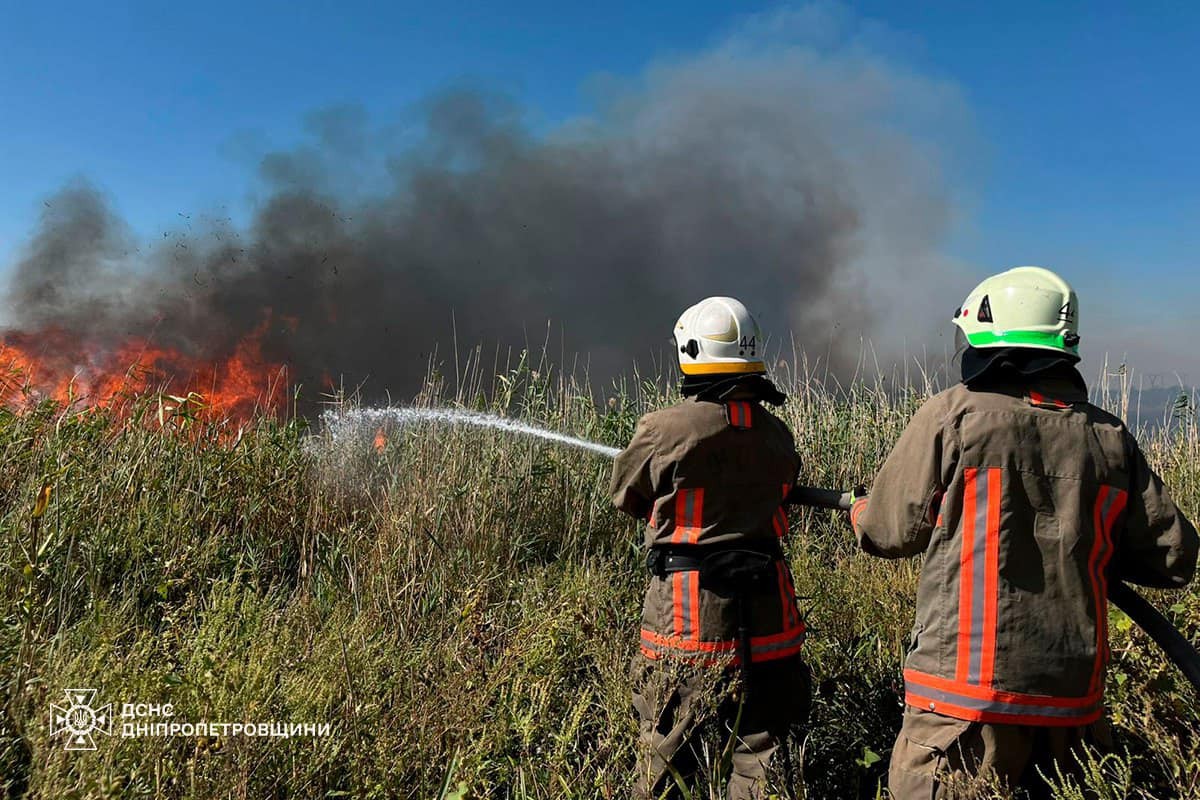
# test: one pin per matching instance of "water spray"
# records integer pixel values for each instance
(366, 421)
(357, 422)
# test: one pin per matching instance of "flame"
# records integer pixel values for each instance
(380, 440)
(57, 364)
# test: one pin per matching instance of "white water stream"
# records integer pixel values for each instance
(343, 425)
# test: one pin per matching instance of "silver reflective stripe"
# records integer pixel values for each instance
(717, 648)
(791, 641)
(978, 575)
(725, 646)
(690, 629)
(997, 707)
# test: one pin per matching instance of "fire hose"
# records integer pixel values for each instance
(1177, 647)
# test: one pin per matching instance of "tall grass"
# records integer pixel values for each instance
(460, 606)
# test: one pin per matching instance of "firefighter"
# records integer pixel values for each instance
(721, 633)
(1026, 501)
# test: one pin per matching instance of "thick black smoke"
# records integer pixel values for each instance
(804, 179)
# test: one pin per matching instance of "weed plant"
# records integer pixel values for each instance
(459, 605)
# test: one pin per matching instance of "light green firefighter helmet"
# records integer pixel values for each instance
(1028, 307)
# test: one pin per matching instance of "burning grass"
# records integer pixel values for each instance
(460, 605)
(55, 364)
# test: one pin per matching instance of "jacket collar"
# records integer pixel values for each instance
(1016, 370)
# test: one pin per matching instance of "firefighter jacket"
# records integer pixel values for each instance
(704, 476)
(1026, 501)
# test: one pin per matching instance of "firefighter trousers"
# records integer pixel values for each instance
(688, 714)
(942, 758)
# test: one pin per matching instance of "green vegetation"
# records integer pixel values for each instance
(460, 606)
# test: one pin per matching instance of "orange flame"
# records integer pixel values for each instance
(54, 364)
(380, 441)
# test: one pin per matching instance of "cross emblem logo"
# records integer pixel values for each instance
(79, 720)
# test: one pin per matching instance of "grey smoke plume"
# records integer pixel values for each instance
(790, 165)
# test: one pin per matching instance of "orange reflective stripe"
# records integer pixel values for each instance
(1039, 399)
(785, 598)
(1110, 521)
(1109, 505)
(762, 648)
(660, 641)
(1030, 716)
(685, 604)
(991, 578)
(689, 516)
(779, 521)
(971, 692)
(685, 601)
(693, 586)
(739, 413)
(966, 701)
(856, 511)
(979, 577)
(966, 576)
(677, 603)
(1099, 602)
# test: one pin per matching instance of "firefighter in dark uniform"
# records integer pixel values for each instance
(1026, 501)
(721, 632)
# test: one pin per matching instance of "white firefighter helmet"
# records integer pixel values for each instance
(1023, 307)
(718, 336)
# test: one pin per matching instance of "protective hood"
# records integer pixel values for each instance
(719, 388)
(1009, 364)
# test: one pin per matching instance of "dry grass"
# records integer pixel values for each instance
(461, 607)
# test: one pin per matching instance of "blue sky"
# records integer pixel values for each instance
(1083, 154)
